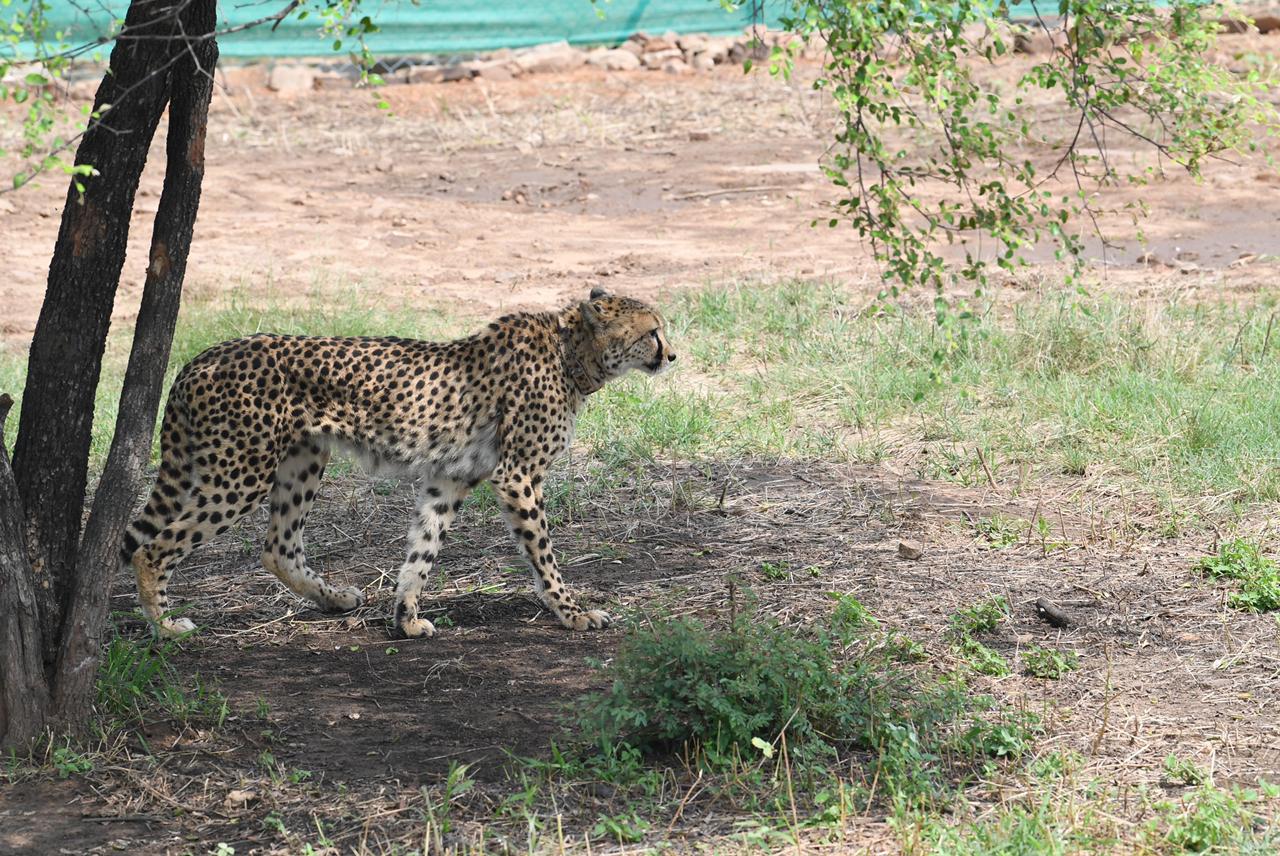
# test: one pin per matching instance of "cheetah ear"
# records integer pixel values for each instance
(598, 292)
(590, 316)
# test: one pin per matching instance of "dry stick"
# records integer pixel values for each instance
(707, 194)
(1266, 340)
(982, 459)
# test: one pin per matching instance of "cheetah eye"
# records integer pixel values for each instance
(654, 334)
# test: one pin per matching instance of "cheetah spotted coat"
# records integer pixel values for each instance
(259, 417)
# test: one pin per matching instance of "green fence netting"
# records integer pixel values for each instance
(437, 26)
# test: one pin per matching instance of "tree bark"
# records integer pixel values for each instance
(50, 459)
(114, 502)
(23, 692)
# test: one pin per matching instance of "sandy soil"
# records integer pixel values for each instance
(519, 194)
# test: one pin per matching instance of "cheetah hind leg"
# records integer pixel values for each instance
(164, 507)
(296, 482)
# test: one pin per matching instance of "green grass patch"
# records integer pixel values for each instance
(1176, 400)
(1258, 576)
(136, 680)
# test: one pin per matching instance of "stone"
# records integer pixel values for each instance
(426, 74)
(657, 58)
(702, 61)
(549, 58)
(238, 78)
(291, 79)
(632, 46)
(655, 44)
(1037, 41)
(499, 70)
(692, 44)
(454, 73)
(910, 550)
(334, 80)
(1266, 23)
(615, 60)
(676, 66)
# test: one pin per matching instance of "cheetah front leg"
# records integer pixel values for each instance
(438, 504)
(526, 514)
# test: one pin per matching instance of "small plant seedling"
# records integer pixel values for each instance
(1259, 577)
(980, 658)
(1049, 663)
(775, 570)
(1000, 531)
(1184, 772)
(982, 617)
(68, 762)
(623, 828)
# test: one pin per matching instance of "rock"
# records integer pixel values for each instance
(702, 61)
(1037, 41)
(692, 44)
(426, 74)
(676, 66)
(6, 207)
(657, 44)
(291, 79)
(910, 550)
(552, 57)
(334, 80)
(239, 798)
(238, 78)
(499, 70)
(1266, 23)
(454, 73)
(616, 60)
(657, 58)
(632, 46)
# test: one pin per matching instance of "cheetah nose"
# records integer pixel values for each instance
(671, 358)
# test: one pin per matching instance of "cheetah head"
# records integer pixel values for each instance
(624, 334)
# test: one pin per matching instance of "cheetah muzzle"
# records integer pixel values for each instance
(260, 416)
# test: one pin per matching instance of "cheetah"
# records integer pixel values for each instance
(260, 416)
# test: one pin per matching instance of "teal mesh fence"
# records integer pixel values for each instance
(439, 26)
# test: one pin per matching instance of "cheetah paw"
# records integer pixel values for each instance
(416, 628)
(343, 600)
(591, 619)
(173, 628)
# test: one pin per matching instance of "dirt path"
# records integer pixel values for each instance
(519, 194)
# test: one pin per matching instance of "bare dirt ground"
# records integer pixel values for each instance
(1165, 666)
(518, 194)
(498, 196)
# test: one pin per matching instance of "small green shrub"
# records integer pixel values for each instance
(833, 688)
(1184, 772)
(1000, 531)
(1259, 577)
(982, 617)
(1048, 663)
(1214, 819)
(980, 658)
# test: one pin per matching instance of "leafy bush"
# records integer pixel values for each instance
(1048, 663)
(830, 689)
(982, 617)
(1259, 577)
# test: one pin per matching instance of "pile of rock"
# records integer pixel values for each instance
(669, 52)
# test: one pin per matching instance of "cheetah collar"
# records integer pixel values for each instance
(583, 380)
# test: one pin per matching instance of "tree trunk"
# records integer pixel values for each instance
(54, 586)
(117, 493)
(51, 456)
(24, 694)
